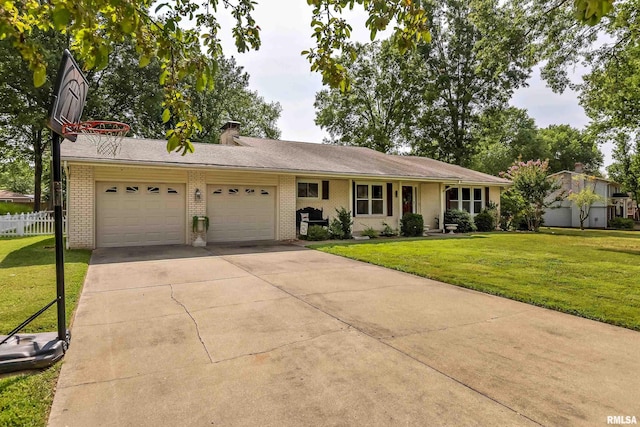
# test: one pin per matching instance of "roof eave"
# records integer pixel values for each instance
(446, 180)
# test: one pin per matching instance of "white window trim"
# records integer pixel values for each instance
(309, 181)
(370, 198)
(471, 200)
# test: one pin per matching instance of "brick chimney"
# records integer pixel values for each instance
(579, 167)
(229, 130)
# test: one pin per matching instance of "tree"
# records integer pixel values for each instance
(530, 193)
(625, 168)
(430, 101)
(585, 197)
(479, 54)
(24, 108)
(126, 93)
(504, 135)
(122, 92)
(508, 134)
(565, 146)
(609, 49)
(95, 25)
(383, 99)
(231, 99)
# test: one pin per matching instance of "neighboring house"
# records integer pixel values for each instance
(10, 196)
(566, 214)
(251, 188)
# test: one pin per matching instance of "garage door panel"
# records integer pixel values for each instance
(132, 214)
(240, 213)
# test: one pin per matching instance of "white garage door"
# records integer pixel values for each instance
(137, 214)
(241, 212)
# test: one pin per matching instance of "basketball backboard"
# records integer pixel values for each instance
(69, 95)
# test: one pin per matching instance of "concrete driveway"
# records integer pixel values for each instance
(286, 336)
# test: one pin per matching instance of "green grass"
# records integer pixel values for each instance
(593, 274)
(27, 283)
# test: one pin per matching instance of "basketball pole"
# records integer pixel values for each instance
(59, 238)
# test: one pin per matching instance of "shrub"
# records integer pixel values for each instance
(462, 218)
(15, 208)
(622, 223)
(335, 229)
(411, 225)
(485, 221)
(370, 232)
(344, 216)
(387, 231)
(317, 232)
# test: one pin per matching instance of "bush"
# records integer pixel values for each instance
(344, 216)
(411, 225)
(387, 231)
(317, 232)
(335, 229)
(462, 218)
(622, 223)
(369, 232)
(15, 208)
(485, 221)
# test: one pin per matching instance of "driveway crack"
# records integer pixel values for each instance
(194, 322)
(282, 346)
(462, 325)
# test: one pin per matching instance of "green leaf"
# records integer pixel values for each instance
(173, 143)
(200, 83)
(61, 17)
(163, 77)
(144, 61)
(39, 75)
(166, 115)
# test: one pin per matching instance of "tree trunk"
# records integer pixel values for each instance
(37, 170)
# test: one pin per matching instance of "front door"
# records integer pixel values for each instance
(407, 199)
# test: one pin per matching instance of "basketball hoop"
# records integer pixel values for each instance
(106, 135)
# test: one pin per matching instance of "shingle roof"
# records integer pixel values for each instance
(6, 194)
(281, 156)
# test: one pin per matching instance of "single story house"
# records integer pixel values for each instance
(251, 188)
(10, 196)
(565, 213)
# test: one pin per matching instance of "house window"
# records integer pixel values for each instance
(308, 190)
(132, 189)
(264, 192)
(477, 200)
(249, 191)
(111, 190)
(172, 191)
(452, 200)
(465, 198)
(369, 199)
(217, 191)
(153, 190)
(233, 191)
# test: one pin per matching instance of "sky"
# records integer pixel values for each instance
(279, 73)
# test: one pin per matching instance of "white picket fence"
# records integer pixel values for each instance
(28, 224)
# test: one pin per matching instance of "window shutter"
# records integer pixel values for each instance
(389, 199)
(486, 196)
(353, 199)
(325, 190)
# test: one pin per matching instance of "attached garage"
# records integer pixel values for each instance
(241, 212)
(139, 214)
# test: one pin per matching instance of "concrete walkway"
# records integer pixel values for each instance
(286, 336)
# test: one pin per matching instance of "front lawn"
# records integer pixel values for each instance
(594, 274)
(27, 283)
